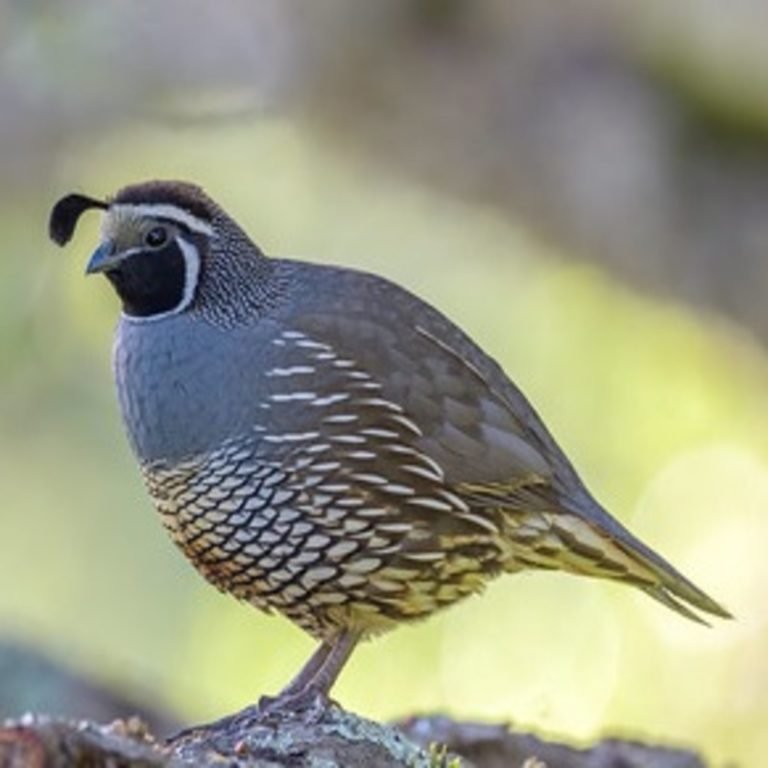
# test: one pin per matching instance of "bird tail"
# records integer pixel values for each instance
(670, 587)
(574, 533)
(644, 568)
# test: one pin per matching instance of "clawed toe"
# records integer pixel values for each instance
(309, 704)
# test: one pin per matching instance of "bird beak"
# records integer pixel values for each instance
(103, 258)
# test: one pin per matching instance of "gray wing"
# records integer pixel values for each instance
(473, 420)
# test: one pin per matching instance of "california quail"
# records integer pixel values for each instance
(320, 442)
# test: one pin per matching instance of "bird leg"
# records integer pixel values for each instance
(312, 685)
(308, 671)
(340, 650)
(307, 693)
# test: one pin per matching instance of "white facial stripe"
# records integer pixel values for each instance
(191, 272)
(191, 275)
(165, 211)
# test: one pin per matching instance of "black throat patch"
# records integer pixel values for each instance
(151, 282)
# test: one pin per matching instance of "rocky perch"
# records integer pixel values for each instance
(329, 738)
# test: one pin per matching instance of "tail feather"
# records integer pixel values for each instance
(570, 543)
(572, 532)
(659, 579)
(664, 597)
(672, 588)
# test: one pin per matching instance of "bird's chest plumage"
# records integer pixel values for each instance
(184, 386)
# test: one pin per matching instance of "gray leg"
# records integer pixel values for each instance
(310, 688)
(340, 649)
(308, 671)
(306, 693)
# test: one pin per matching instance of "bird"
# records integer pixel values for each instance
(322, 443)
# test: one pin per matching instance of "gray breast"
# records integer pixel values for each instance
(185, 386)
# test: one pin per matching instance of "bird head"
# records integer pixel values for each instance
(156, 238)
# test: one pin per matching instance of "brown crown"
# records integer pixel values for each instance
(182, 194)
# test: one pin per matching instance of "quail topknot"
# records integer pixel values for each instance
(321, 442)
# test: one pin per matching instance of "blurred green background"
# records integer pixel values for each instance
(585, 190)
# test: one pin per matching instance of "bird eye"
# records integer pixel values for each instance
(156, 237)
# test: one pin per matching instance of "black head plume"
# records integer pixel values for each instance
(67, 212)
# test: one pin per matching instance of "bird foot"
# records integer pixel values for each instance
(308, 704)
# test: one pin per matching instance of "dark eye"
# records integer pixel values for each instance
(156, 237)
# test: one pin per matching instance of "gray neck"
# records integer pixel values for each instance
(238, 283)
